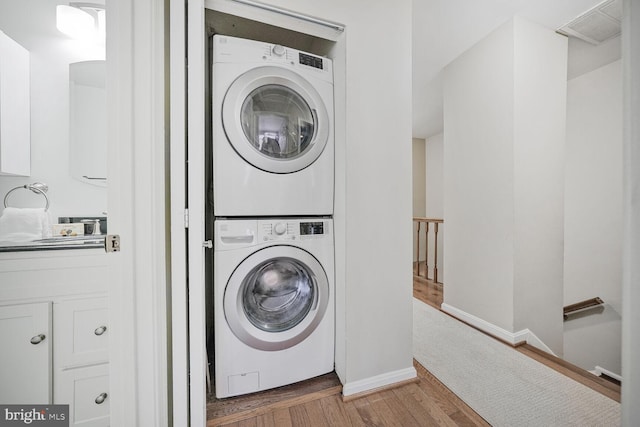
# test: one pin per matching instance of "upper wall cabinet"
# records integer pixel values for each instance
(15, 134)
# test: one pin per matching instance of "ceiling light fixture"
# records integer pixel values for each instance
(81, 21)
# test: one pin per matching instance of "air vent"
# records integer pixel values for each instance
(597, 25)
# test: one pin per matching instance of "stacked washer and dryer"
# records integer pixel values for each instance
(273, 186)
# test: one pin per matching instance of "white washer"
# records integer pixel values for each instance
(273, 302)
(273, 136)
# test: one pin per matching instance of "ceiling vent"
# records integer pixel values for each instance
(596, 25)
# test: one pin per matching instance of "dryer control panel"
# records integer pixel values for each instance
(227, 49)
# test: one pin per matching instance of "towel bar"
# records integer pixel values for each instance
(36, 187)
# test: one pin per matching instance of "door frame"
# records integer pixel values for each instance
(136, 211)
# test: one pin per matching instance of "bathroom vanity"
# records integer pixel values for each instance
(54, 331)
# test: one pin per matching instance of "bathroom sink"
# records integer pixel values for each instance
(71, 240)
(53, 243)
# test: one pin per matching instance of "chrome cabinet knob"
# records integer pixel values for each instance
(100, 330)
(101, 398)
(37, 339)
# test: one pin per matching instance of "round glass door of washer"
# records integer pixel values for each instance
(274, 300)
(275, 120)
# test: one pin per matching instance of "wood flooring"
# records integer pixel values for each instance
(231, 409)
(428, 291)
(427, 402)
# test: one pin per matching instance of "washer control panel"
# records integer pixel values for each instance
(292, 229)
(310, 228)
(310, 60)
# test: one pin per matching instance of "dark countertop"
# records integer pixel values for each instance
(55, 243)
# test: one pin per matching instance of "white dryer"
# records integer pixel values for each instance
(273, 302)
(273, 136)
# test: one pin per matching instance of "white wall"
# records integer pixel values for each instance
(435, 198)
(419, 176)
(373, 190)
(538, 172)
(478, 179)
(419, 187)
(51, 53)
(435, 176)
(593, 187)
(593, 216)
(503, 151)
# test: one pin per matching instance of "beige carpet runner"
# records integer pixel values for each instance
(504, 386)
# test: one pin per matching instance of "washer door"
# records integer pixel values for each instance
(275, 120)
(276, 298)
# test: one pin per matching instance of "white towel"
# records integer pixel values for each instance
(24, 224)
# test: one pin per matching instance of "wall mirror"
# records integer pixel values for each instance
(87, 122)
(67, 108)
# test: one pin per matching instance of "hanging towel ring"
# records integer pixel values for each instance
(36, 187)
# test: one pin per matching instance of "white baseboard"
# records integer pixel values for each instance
(512, 338)
(378, 381)
(599, 370)
(533, 340)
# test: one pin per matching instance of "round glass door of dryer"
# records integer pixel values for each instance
(276, 298)
(275, 120)
(278, 122)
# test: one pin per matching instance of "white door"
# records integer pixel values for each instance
(276, 297)
(275, 119)
(25, 371)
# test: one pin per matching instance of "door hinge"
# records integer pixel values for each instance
(186, 218)
(112, 243)
(207, 244)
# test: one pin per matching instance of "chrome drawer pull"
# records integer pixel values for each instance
(37, 339)
(101, 398)
(101, 330)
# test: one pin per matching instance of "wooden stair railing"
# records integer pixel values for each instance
(424, 223)
(582, 305)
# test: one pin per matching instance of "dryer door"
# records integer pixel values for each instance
(276, 298)
(275, 119)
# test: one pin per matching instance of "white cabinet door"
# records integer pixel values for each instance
(25, 353)
(82, 333)
(86, 390)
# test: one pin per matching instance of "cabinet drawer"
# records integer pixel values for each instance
(86, 390)
(82, 333)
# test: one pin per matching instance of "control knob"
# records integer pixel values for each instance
(278, 50)
(280, 228)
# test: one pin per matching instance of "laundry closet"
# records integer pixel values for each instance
(269, 280)
(220, 238)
